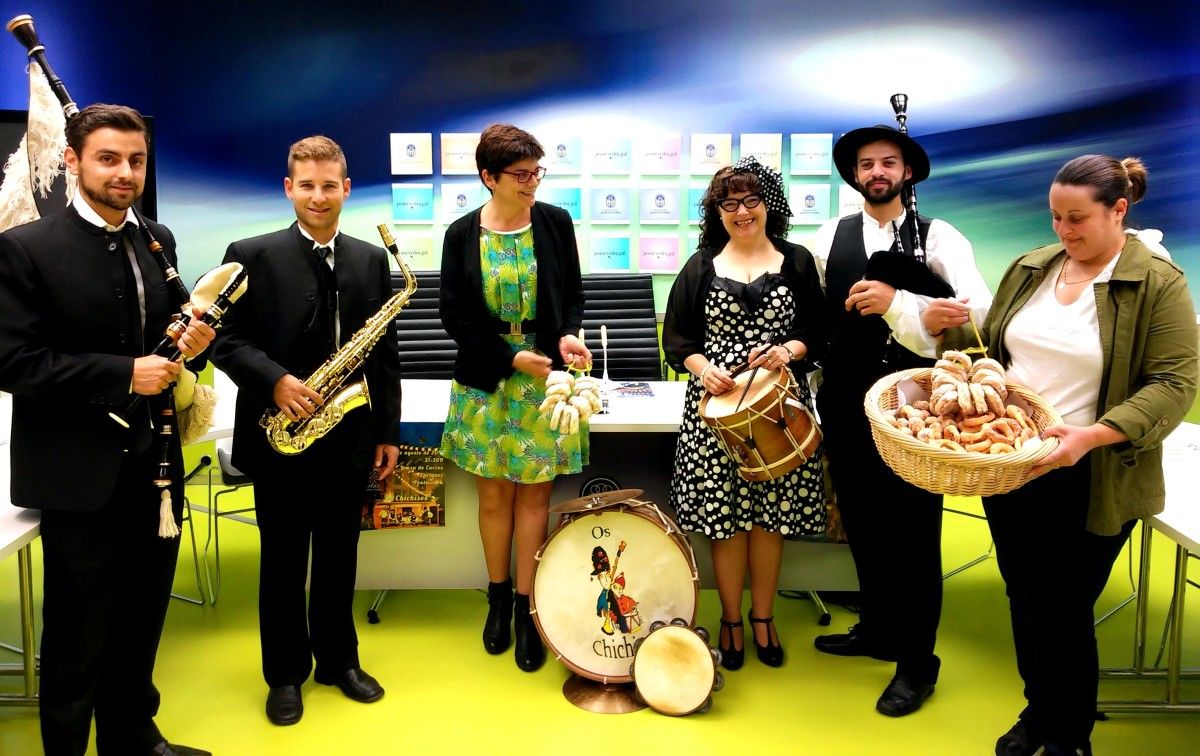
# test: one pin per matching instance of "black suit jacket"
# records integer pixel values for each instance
(69, 333)
(483, 356)
(278, 327)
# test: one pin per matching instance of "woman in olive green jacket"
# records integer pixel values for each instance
(1103, 328)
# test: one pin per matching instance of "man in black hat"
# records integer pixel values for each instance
(893, 283)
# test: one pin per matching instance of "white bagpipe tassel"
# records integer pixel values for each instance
(166, 516)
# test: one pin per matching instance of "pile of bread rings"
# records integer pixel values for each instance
(967, 409)
(569, 400)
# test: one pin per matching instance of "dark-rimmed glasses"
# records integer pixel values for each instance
(523, 177)
(730, 204)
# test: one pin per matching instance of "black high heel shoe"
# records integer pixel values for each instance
(731, 658)
(772, 653)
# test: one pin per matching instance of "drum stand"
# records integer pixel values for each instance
(602, 698)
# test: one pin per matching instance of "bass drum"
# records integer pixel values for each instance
(602, 577)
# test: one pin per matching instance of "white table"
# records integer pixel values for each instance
(18, 529)
(1179, 521)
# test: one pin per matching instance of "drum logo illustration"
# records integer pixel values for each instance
(617, 611)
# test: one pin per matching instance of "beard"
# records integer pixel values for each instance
(876, 196)
(107, 198)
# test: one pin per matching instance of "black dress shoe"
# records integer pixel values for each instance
(852, 643)
(770, 654)
(497, 635)
(902, 696)
(284, 705)
(731, 658)
(356, 684)
(529, 651)
(174, 749)
(1022, 739)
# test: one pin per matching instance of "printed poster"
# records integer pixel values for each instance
(412, 154)
(809, 203)
(458, 154)
(610, 156)
(610, 252)
(460, 198)
(658, 253)
(659, 205)
(768, 148)
(569, 198)
(416, 249)
(850, 200)
(695, 194)
(659, 154)
(414, 496)
(564, 156)
(811, 154)
(710, 152)
(412, 203)
(609, 204)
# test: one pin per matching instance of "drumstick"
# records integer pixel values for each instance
(750, 382)
(604, 350)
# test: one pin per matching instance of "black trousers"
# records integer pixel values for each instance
(895, 535)
(1054, 570)
(309, 502)
(108, 580)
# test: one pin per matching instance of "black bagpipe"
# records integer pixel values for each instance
(904, 266)
(215, 292)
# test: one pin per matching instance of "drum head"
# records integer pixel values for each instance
(674, 670)
(602, 578)
(727, 404)
(596, 501)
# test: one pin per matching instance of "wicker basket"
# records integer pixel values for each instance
(946, 471)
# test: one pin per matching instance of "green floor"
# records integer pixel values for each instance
(445, 695)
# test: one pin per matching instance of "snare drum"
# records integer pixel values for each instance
(674, 669)
(602, 577)
(772, 434)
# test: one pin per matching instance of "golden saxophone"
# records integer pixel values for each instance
(288, 436)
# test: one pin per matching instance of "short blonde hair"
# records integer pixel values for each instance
(316, 148)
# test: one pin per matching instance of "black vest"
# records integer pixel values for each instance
(860, 348)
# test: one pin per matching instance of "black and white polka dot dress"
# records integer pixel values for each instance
(708, 494)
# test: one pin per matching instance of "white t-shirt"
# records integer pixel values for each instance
(948, 253)
(1055, 348)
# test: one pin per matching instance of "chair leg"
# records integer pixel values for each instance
(187, 518)
(373, 612)
(976, 560)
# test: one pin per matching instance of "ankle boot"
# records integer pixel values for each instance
(496, 633)
(529, 651)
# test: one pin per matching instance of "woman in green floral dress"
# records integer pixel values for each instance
(512, 299)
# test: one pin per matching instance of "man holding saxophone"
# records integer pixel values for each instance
(314, 288)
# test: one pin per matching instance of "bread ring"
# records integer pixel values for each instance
(926, 435)
(960, 357)
(1001, 448)
(995, 404)
(999, 433)
(951, 367)
(912, 413)
(915, 424)
(905, 430)
(942, 377)
(986, 363)
(932, 424)
(946, 443)
(922, 405)
(980, 403)
(1018, 414)
(971, 437)
(898, 422)
(977, 422)
(980, 446)
(950, 433)
(966, 404)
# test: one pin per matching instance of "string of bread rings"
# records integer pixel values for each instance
(569, 400)
(967, 409)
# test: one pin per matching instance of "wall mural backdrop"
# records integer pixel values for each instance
(1000, 96)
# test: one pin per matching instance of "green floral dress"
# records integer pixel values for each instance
(502, 434)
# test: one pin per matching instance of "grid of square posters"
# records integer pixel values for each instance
(564, 155)
(412, 203)
(811, 154)
(609, 204)
(412, 153)
(768, 148)
(710, 152)
(659, 154)
(659, 205)
(416, 249)
(658, 253)
(609, 252)
(458, 154)
(460, 198)
(569, 198)
(809, 203)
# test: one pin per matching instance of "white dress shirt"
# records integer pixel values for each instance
(947, 252)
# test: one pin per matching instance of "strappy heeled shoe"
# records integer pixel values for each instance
(731, 658)
(772, 653)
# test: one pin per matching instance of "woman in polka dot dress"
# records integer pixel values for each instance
(746, 295)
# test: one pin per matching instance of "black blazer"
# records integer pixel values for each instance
(68, 336)
(684, 325)
(278, 327)
(484, 358)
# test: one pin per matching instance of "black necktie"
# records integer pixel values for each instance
(329, 278)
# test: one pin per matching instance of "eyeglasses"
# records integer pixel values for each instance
(523, 177)
(730, 205)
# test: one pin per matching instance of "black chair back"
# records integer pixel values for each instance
(624, 303)
(426, 350)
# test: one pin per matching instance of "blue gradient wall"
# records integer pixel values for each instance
(1000, 95)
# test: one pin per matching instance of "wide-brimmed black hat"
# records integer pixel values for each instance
(845, 151)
